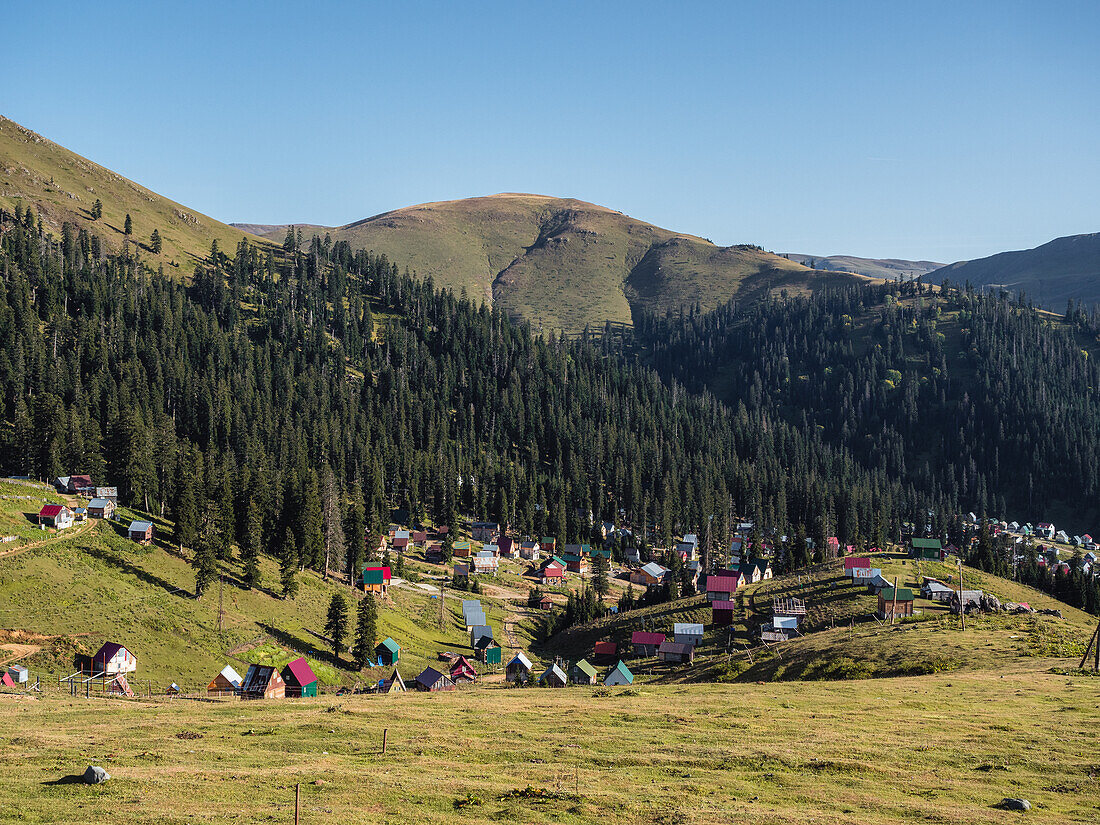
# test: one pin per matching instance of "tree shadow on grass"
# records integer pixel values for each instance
(138, 572)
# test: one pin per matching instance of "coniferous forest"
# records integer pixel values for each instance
(289, 400)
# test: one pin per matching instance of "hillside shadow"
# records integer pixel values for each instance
(137, 572)
(300, 645)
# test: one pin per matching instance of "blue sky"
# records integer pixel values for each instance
(918, 130)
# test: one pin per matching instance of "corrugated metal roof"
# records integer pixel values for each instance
(721, 584)
(655, 570)
(586, 669)
(521, 659)
(51, 510)
(687, 629)
(231, 676)
(676, 648)
(641, 637)
(140, 526)
(554, 670)
(390, 645)
(722, 605)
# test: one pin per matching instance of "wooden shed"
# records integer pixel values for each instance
(646, 644)
(619, 675)
(113, 658)
(676, 653)
(721, 613)
(395, 684)
(301, 681)
(487, 650)
(463, 671)
(605, 651)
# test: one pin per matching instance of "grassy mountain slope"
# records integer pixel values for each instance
(885, 268)
(62, 186)
(563, 263)
(1050, 274)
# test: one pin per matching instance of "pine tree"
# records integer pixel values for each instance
(204, 560)
(332, 520)
(288, 565)
(336, 624)
(355, 530)
(97, 209)
(253, 544)
(600, 568)
(310, 536)
(366, 630)
(128, 225)
(155, 242)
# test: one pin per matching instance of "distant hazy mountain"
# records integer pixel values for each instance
(564, 263)
(1050, 274)
(890, 269)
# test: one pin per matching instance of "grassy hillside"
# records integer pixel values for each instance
(563, 263)
(62, 186)
(943, 748)
(69, 592)
(1050, 274)
(886, 268)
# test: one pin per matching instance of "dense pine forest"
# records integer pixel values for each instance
(289, 400)
(974, 399)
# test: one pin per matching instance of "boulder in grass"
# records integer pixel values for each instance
(95, 775)
(1009, 804)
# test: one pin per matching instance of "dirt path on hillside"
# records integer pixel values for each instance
(62, 535)
(13, 653)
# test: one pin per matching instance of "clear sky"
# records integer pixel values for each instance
(920, 130)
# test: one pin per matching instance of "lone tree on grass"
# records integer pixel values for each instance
(128, 225)
(97, 209)
(336, 625)
(155, 242)
(366, 629)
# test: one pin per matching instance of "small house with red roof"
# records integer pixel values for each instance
(721, 613)
(463, 671)
(57, 516)
(79, 485)
(852, 563)
(301, 681)
(721, 588)
(645, 643)
(605, 651)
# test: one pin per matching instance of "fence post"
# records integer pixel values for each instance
(297, 801)
(385, 733)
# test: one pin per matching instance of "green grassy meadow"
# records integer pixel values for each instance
(940, 748)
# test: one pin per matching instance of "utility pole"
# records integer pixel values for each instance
(962, 607)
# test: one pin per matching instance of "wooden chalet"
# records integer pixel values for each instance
(605, 652)
(462, 671)
(620, 675)
(546, 603)
(140, 531)
(518, 669)
(930, 549)
(484, 530)
(461, 549)
(889, 607)
(554, 677)
(226, 683)
(645, 643)
(649, 574)
(113, 658)
(583, 673)
(686, 633)
(57, 516)
(388, 652)
(487, 650)
(395, 684)
(721, 613)
(676, 653)
(80, 485)
(109, 493)
(375, 579)
(101, 508)
(263, 682)
(301, 681)
(721, 588)
(431, 680)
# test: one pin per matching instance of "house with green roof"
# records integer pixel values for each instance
(893, 603)
(619, 675)
(388, 651)
(931, 549)
(583, 673)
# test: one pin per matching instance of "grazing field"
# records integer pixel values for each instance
(941, 748)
